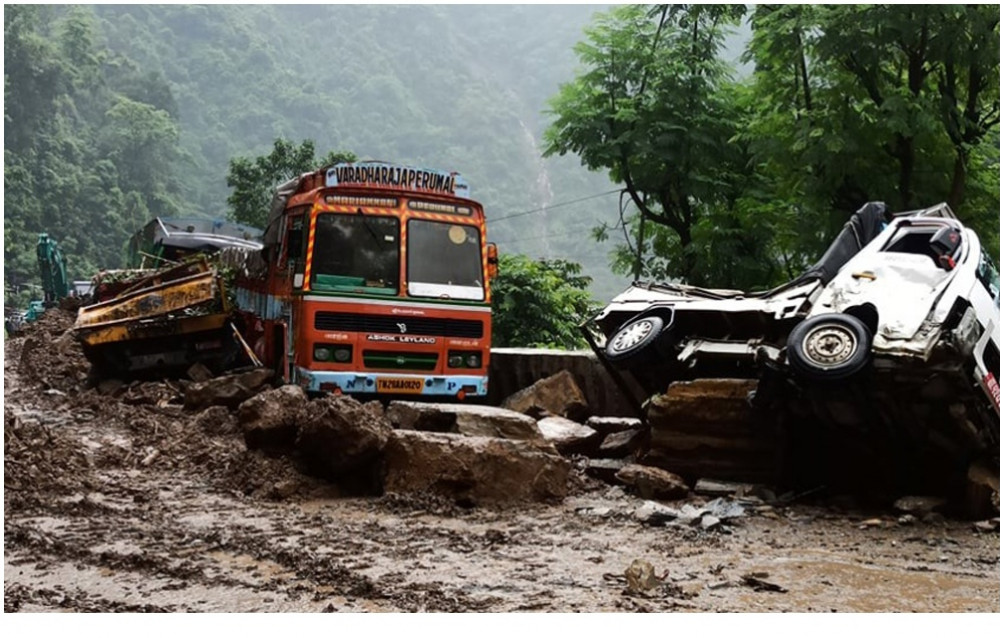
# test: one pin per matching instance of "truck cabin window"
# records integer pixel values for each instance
(444, 260)
(356, 253)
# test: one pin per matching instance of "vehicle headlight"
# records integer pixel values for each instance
(472, 360)
(454, 361)
(322, 353)
(342, 354)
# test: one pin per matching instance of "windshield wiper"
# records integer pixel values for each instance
(368, 227)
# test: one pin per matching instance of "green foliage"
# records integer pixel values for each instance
(540, 303)
(655, 106)
(877, 102)
(747, 183)
(82, 161)
(253, 180)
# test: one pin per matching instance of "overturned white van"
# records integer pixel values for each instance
(900, 320)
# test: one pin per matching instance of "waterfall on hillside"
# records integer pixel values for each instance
(543, 191)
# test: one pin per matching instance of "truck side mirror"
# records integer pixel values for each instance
(492, 260)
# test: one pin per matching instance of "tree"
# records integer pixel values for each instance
(856, 103)
(655, 107)
(540, 303)
(253, 180)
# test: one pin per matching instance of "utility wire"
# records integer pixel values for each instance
(518, 240)
(551, 206)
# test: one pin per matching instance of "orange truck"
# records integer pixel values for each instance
(374, 279)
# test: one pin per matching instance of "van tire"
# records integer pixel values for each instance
(829, 347)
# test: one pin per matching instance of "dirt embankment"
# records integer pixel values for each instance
(117, 499)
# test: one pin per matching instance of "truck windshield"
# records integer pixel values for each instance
(444, 260)
(356, 253)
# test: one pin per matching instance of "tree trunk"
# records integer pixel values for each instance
(957, 192)
(907, 161)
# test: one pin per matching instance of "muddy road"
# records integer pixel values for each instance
(116, 499)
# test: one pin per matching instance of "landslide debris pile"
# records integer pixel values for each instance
(77, 425)
(70, 432)
(240, 433)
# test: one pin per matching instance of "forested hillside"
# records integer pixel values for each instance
(174, 92)
(743, 155)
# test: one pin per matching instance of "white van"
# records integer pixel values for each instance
(907, 302)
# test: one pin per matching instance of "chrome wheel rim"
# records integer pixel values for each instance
(830, 346)
(632, 336)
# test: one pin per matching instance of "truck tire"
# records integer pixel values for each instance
(829, 347)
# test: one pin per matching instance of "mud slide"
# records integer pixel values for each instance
(116, 499)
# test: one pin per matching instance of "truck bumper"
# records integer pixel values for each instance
(387, 383)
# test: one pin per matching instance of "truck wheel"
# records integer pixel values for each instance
(634, 338)
(829, 347)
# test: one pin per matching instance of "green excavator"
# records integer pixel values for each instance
(55, 285)
(52, 267)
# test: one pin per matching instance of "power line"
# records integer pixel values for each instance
(551, 206)
(518, 240)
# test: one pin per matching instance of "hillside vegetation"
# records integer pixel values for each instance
(177, 91)
(735, 158)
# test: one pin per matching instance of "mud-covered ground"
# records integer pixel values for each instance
(118, 500)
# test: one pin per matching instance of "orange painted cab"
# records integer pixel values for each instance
(374, 279)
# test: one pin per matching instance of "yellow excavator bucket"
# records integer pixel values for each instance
(178, 295)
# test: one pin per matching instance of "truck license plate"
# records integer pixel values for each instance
(401, 385)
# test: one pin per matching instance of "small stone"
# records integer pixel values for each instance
(641, 576)
(199, 372)
(620, 444)
(871, 522)
(708, 521)
(655, 514)
(604, 469)
(611, 424)
(918, 505)
(985, 526)
(653, 482)
(907, 519)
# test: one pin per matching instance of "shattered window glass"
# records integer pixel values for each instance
(989, 276)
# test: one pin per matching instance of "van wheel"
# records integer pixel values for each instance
(829, 347)
(634, 338)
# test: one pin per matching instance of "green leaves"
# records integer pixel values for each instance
(82, 161)
(253, 180)
(655, 108)
(540, 303)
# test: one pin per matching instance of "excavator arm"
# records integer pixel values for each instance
(52, 268)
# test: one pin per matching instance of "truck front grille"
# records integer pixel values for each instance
(424, 326)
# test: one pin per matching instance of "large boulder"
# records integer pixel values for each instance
(338, 435)
(557, 395)
(269, 420)
(473, 469)
(568, 436)
(229, 390)
(706, 429)
(471, 420)
(652, 482)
